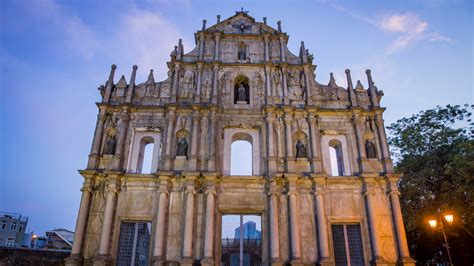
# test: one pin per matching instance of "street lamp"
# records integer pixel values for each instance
(449, 218)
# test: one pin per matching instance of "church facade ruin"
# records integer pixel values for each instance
(322, 179)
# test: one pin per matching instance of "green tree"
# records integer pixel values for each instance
(434, 149)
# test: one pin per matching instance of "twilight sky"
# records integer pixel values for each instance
(54, 54)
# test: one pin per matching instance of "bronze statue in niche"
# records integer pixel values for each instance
(301, 151)
(370, 149)
(110, 145)
(242, 54)
(182, 149)
(241, 90)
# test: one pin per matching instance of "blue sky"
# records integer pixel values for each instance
(54, 55)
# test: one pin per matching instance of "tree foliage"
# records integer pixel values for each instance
(434, 149)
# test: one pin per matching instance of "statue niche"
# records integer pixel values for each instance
(242, 53)
(241, 90)
(370, 150)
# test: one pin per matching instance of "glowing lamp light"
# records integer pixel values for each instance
(432, 223)
(35, 236)
(449, 218)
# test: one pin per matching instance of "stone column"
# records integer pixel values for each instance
(282, 49)
(387, 161)
(194, 142)
(210, 227)
(197, 97)
(217, 37)
(398, 221)
(315, 143)
(99, 128)
(267, 53)
(125, 118)
(323, 239)
(271, 144)
(268, 84)
(169, 140)
(274, 224)
(82, 218)
(289, 142)
(112, 190)
(201, 46)
(203, 146)
(214, 84)
(212, 144)
(285, 85)
(369, 196)
(360, 140)
(174, 87)
(189, 219)
(294, 223)
(306, 82)
(160, 222)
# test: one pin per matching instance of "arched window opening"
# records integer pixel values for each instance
(241, 90)
(241, 158)
(337, 160)
(145, 157)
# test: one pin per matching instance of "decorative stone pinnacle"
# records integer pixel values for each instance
(218, 18)
(367, 71)
(113, 66)
(204, 24)
(279, 25)
(348, 71)
(135, 67)
(265, 20)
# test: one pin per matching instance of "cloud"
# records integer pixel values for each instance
(75, 34)
(410, 29)
(146, 39)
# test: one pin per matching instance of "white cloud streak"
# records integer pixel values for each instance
(410, 29)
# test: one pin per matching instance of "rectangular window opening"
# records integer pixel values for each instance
(241, 240)
(347, 243)
(134, 242)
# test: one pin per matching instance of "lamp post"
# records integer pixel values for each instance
(449, 218)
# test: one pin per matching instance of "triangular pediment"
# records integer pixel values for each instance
(241, 23)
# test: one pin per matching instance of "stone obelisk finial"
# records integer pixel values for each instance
(131, 86)
(279, 25)
(350, 88)
(110, 84)
(372, 89)
(218, 18)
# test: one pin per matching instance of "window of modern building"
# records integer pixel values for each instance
(13, 226)
(10, 242)
(347, 243)
(134, 243)
(4, 225)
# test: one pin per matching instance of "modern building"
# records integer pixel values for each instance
(12, 229)
(59, 239)
(249, 231)
(322, 178)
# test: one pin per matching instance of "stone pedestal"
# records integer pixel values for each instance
(102, 260)
(180, 163)
(371, 166)
(73, 260)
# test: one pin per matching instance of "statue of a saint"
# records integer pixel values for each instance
(242, 55)
(370, 149)
(241, 95)
(182, 147)
(301, 150)
(110, 145)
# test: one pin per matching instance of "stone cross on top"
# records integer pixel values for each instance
(241, 11)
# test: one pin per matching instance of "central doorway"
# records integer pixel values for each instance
(241, 240)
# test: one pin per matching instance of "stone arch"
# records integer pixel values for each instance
(140, 139)
(244, 81)
(250, 135)
(338, 145)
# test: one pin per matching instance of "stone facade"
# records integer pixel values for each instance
(240, 83)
